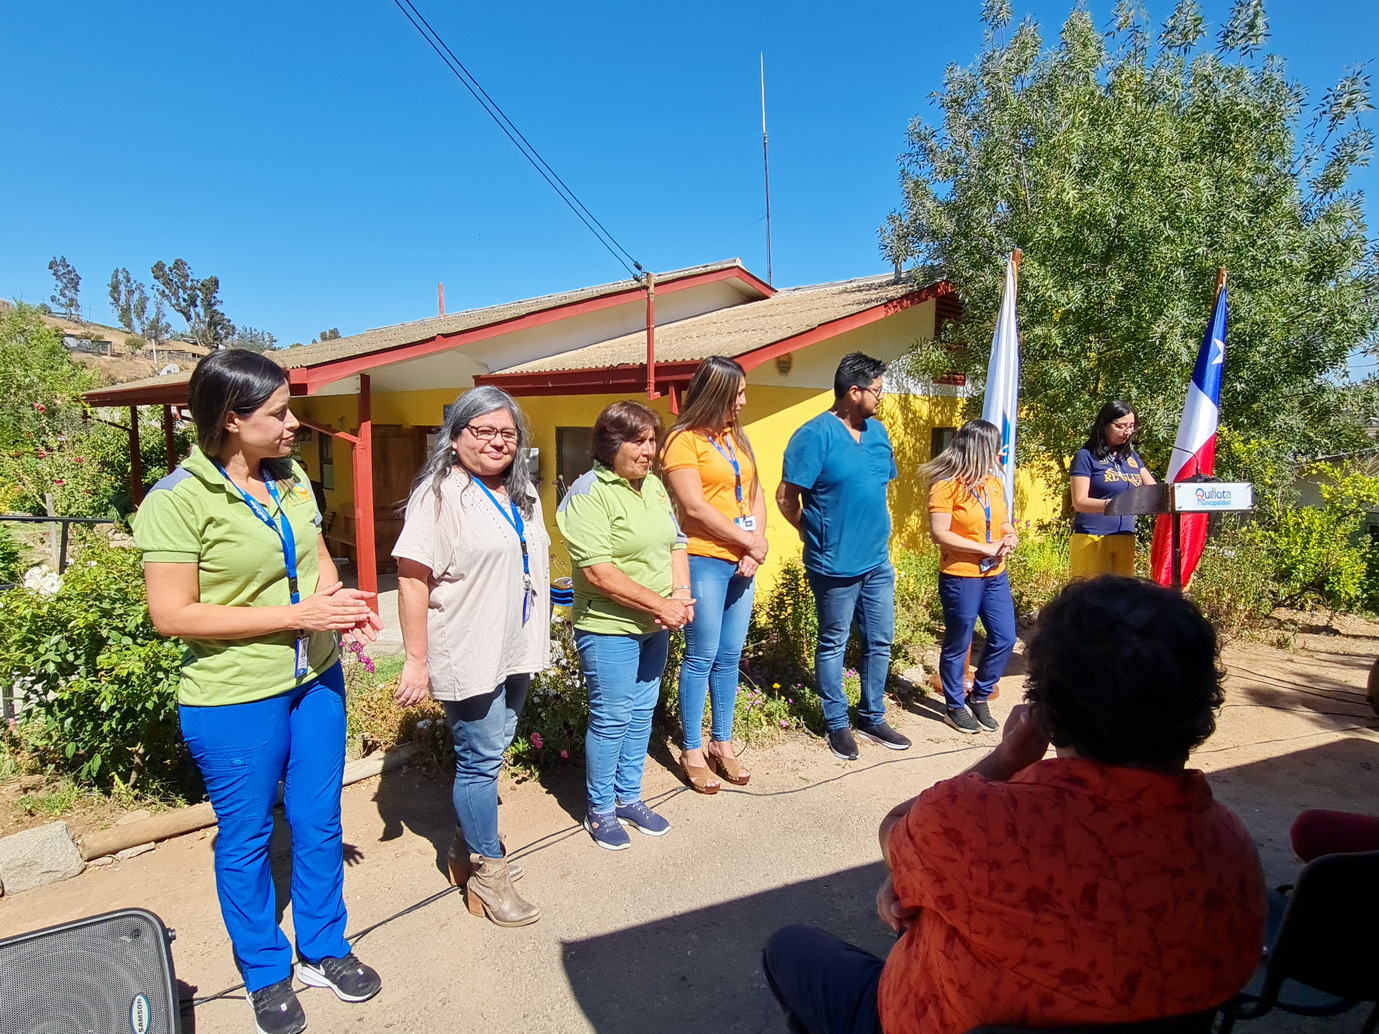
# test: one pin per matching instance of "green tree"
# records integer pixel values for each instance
(253, 340)
(197, 301)
(68, 287)
(1128, 166)
(130, 300)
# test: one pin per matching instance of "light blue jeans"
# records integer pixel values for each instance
(870, 599)
(713, 647)
(481, 729)
(624, 677)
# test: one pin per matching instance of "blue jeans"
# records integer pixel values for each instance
(243, 751)
(965, 599)
(870, 599)
(825, 985)
(713, 647)
(624, 677)
(481, 729)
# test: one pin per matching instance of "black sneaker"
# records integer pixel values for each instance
(841, 743)
(276, 1009)
(961, 719)
(883, 734)
(350, 979)
(981, 711)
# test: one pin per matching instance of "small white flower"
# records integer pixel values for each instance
(40, 579)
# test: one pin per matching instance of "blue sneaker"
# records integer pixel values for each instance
(641, 818)
(607, 831)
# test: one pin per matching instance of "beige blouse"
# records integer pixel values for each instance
(476, 637)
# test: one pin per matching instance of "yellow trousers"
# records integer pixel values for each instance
(1091, 555)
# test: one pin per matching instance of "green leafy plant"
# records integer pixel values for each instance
(97, 681)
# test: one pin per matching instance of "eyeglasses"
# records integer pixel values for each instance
(487, 434)
(880, 393)
(1132, 425)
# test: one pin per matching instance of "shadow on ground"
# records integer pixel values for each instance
(702, 970)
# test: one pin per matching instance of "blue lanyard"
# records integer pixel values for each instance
(284, 533)
(518, 525)
(984, 498)
(731, 457)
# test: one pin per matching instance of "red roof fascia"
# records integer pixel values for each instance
(313, 378)
(824, 331)
(610, 380)
(174, 394)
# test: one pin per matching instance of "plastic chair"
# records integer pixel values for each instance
(1188, 1023)
(1323, 953)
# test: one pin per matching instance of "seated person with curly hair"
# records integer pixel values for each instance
(1101, 885)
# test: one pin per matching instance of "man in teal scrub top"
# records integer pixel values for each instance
(837, 467)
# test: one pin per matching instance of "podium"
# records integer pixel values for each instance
(1196, 495)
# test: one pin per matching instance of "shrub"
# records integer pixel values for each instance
(99, 684)
(1039, 568)
(1233, 583)
(11, 557)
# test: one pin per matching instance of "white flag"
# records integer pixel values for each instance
(1003, 382)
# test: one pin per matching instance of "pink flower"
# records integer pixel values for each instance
(536, 741)
(77, 459)
(59, 481)
(40, 454)
(784, 724)
(564, 754)
(40, 407)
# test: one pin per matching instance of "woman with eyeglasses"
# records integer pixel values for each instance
(1102, 469)
(473, 574)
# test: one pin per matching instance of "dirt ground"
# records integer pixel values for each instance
(666, 936)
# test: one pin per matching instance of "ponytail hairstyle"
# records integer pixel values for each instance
(232, 380)
(1097, 444)
(471, 405)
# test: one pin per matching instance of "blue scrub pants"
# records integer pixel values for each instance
(965, 599)
(243, 751)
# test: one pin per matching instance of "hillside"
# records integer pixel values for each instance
(122, 363)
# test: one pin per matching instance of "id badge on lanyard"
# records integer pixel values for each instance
(746, 521)
(302, 649)
(987, 563)
(514, 519)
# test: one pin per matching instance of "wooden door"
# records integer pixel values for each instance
(398, 453)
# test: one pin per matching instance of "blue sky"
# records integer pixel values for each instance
(321, 161)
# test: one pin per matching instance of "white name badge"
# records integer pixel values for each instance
(747, 523)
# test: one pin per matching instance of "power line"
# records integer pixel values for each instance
(510, 130)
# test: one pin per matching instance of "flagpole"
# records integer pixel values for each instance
(1175, 522)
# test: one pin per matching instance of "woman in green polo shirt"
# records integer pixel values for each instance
(632, 586)
(233, 559)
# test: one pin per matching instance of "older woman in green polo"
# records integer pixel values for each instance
(632, 586)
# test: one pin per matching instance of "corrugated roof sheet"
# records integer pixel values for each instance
(735, 330)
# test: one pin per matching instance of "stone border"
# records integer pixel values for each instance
(46, 854)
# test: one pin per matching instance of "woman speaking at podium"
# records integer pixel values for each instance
(1102, 469)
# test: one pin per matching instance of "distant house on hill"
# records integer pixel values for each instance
(565, 356)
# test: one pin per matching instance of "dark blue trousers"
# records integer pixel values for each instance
(965, 599)
(824, 984)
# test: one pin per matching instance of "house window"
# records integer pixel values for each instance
(573, 452)
(327, 458)
(939, 439)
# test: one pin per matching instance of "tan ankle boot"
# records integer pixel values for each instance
(457, 861)
(489, 892)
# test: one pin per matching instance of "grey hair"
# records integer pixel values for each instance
(475, 403)
(972, 455)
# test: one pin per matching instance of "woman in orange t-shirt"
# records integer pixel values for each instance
(970, 523)
(711, 472)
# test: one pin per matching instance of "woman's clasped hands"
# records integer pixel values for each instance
(338, 609)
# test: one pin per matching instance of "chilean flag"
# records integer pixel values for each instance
(1003, 380)
(1194, 450)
